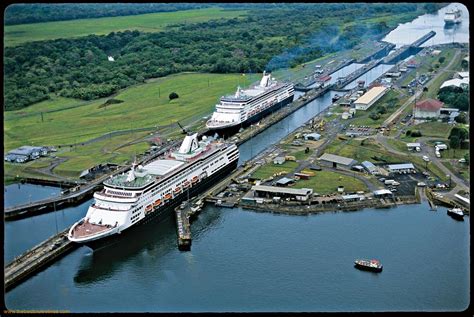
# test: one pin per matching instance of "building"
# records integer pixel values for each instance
(381, 193)
(312, 136)
(352, 197)
(370, 97)
(26, 153)
(461, 83)
(370, 168)
(435, 52)
(427, 109)
(345, 115)
(401, 168)
(413, 146)
(285, 181)
(393, 74)
(335, 160)
(302, 194)
(279, 160)
(462, 75)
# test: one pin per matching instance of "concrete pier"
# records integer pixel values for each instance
(37, 258)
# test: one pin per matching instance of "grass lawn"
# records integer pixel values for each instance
(460, 168)
(145, 105)
(326, 182)
(433, 129)
(270, 169)
(152, 22)
(398, 145)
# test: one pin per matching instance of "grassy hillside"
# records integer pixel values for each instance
(153, 22)
(70, 121)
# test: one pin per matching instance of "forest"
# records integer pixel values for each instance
(265, 39)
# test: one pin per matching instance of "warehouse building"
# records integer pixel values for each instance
(302, 194)
(401, 168)
(370, 168)
(413, 146)
(26, 153)
(336, 160)
(370, 97)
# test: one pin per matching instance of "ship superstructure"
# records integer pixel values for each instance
(452, 16)
(145, 192)
(250, 105)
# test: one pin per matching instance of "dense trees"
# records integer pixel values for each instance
(265, 39)
(455, 97)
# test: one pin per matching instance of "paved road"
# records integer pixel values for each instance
(460, 183)
(418, 93)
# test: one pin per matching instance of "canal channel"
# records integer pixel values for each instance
(249, 261)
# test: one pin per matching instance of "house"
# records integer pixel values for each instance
(369, 167)
(427, 109)
(285, 181)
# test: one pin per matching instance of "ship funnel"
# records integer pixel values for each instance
(237, 93)
(190, 144)
(131, 174)
(265, 79)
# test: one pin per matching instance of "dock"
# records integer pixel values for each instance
(406, 50)
(37, 258)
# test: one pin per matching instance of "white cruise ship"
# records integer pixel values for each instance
(247, 106)
(146, 192)
(452, 16)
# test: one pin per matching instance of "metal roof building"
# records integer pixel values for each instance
(299, 194)
(369, 167)
(370, 97)
(284, 181)
(400, 167)
(336, 159)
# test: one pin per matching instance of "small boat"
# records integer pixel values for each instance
(148, 208)
(177, 190)
(167, 196)
(456, 213)
(368, 265)
(335, 98)
(157, 203)
(186, 184)
(195, 180)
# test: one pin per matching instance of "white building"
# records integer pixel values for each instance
(370, 97)
(427, 109)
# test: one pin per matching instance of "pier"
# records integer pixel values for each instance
(37, 258)
(407, 50)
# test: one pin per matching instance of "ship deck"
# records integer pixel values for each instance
(86, 229)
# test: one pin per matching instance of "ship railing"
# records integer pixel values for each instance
(108, 208)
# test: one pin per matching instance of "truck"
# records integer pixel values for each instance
(418, 149)
(426, 158)
(389, 182)
(437, 154)
(441, 146)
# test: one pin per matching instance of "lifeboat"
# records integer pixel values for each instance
(167, 196)
(186, 184)
(177, 190)
(194, 180)
(157, 203)
(149, 208)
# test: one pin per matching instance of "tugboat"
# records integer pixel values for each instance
(335, 98)
(456, 213)
(368, 265)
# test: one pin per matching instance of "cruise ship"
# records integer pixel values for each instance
(151, 191)
(247, 106)
(452, 16)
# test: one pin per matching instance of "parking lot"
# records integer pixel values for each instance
(360, 130)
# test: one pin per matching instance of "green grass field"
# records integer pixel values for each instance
(433, 129)
(326, 182)
(270, 169)
(152, 22)
(146, 105)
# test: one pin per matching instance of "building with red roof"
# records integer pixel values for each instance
(427, 109)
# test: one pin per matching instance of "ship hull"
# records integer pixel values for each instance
(164, 211)
(455, 216)
(367, 268)
(228, 131)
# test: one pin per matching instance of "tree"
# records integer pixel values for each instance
(461, 118)
(454, 143)
(173, 95)
(441, 59)
(466, 157)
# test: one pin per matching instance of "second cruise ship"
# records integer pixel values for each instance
(247, 106)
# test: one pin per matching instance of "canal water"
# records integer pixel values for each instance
(247, 261)
(19, 194)
(409, 32)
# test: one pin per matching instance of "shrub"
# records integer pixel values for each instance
(173, 95)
